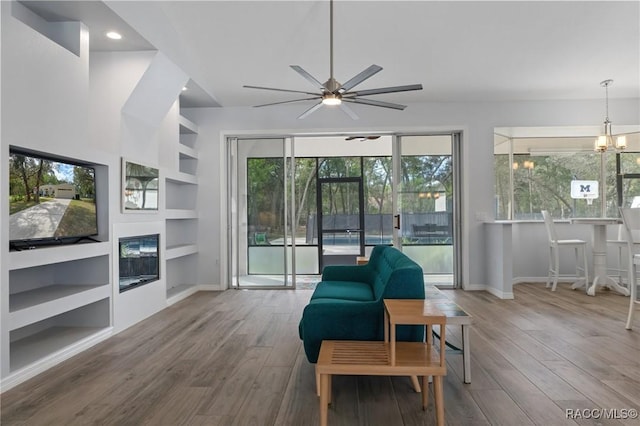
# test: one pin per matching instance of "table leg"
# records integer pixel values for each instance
(415, 383)
(425, 392)
(600, 263)
(324, 399)
(466, 356)
(392, 343)
(439, 399)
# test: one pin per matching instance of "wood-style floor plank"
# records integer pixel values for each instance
(234, 358)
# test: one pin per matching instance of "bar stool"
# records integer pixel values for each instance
(631, 222)
(554, 253)
(619, 244)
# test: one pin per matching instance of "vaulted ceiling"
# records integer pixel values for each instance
(459, 51)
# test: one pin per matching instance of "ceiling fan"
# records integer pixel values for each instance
(362, 138)
(334, 93)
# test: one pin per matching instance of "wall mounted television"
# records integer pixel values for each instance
(139, 263)
(52, 200)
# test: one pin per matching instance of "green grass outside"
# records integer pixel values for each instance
(16, 206)
(78, 219)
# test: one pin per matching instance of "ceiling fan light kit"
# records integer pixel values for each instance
(332, 93)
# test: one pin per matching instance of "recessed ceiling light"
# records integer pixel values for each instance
(114, 35)
(184, 89)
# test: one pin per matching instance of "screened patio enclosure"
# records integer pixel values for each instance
(298, 204)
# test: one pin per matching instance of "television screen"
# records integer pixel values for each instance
(51, 201)
(138, 261)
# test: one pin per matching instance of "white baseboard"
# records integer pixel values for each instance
(210, 287)
(520, 280)
(475, 287)
(55, 358)
(482, 287)
(499, 293)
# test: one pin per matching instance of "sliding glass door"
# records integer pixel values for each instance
(260, 210)
(425, 200)
(297, 205)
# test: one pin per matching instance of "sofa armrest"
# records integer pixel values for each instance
(359, 273)
(344, 320)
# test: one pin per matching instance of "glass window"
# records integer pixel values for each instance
(535, 173)
(265, 201)
(378, 217)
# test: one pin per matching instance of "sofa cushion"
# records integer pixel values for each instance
(343, 290)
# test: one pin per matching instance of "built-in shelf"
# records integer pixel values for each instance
(181, 195)
(36, 305)
(188, 140)
(182, 276)
(181, 250)
(50, 342)
(180, 178)
(67, 331)
(187, 164)
(187, 126)
(56, 254)
(180, 292)
(187, 152)
(181, 214)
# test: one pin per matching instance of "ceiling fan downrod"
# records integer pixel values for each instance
(332, 84)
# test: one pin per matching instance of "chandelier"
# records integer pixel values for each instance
(605, 141)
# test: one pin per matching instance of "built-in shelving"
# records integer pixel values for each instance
(68, 332)
(182, 274)
(181, 240)
(187, 127)
(181, 214)
(58, 298)
(39, 304)
(56, 254)
(50, 342)
(173, 252)
(187, 163)
(180, 178)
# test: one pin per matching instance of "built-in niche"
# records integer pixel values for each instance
(140, 187)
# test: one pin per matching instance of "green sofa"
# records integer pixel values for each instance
(347, 303)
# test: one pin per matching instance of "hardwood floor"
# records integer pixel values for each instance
(234, 358)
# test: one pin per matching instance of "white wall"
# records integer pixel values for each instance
(476, 120)
(71, 105)
(44, 107)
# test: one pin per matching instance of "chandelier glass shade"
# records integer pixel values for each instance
(606, 140)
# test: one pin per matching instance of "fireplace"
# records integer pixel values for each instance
(139, 262)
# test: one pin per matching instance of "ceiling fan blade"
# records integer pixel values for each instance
(374, 103)
(393, 89)
(280, 90)
(373, 69)
(349, 111)
(310, 111)
(308, 76)
(287, 102)
(362, 138)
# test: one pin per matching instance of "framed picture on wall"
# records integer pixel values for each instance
(140, 187)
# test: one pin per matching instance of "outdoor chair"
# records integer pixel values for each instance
(554, 253)
(631, 222)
